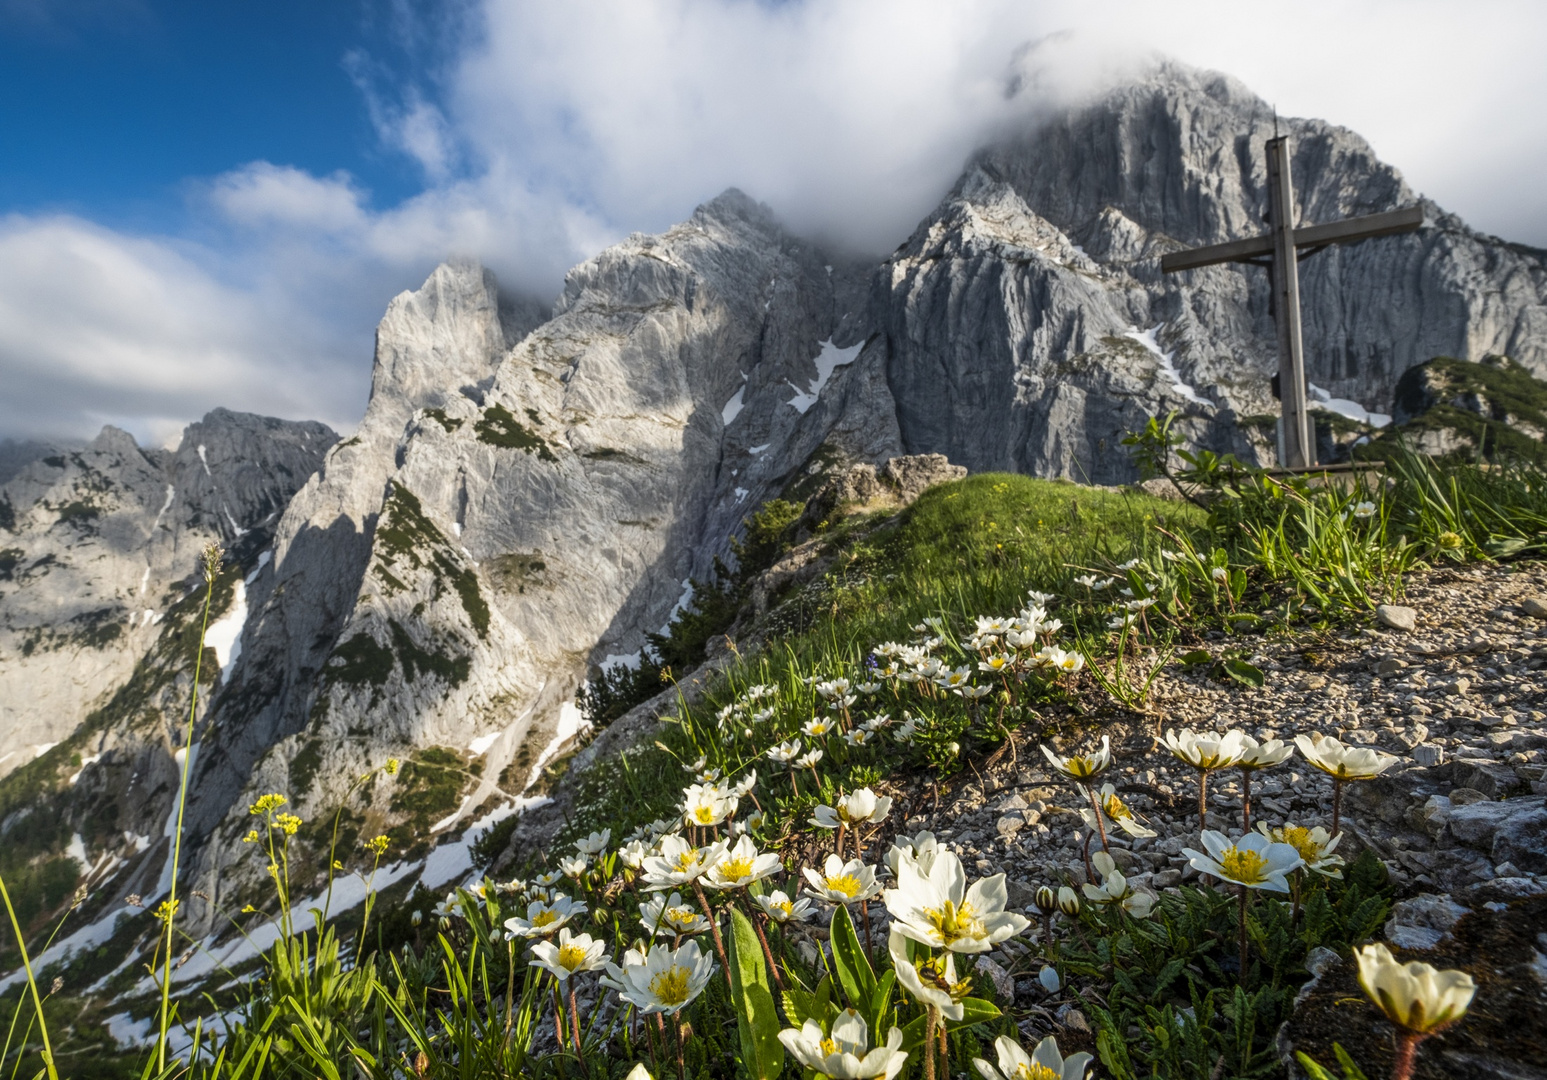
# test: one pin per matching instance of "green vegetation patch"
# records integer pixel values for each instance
(10, 558)
(7, 514)
(416, 661)
(429, 785)
(304, 766)
(1495, 406)
(499, 427)
(449, 423)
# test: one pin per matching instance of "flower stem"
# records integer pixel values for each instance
(864, 914)
(1241, 932)
(714, 928)
(932, 1017)
(1337, 805)
(574, 1022)
(676, 1023)
(838, 845)
(1100, 824)
(1246, 800)
(1407, 1055)
(757, 924)
(1203, 799)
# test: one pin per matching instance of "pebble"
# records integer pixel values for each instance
(1397, 617)
(1532, 605)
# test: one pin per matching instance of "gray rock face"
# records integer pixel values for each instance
(95, 544)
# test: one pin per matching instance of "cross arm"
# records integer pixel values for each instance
(1336, 232)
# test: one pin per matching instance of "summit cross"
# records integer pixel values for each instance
(1280, 250)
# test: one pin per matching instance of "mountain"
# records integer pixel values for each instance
(531, 492)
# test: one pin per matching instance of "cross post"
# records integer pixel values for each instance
(1280, 251)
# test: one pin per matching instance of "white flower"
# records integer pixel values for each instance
(818, 727)
(1262, 755)
(847, 1054)
(1118, 812)
(543, 918)
(1220, 574)
(1315, 846)
(938, 909)
(785, 752)
(448, 908)
(954, 677)
(679, 862)
(667, 980)
(808, 760)
(1343, 762)
(669, 915)
(1169, 556)
(551, 878)
(1068, 901)
(868, 688)
(1130, 564)
(1253, 860)
(842, 882)
(1205, 752)
(973, 693)
(697, 766)
(1043, 1063)
(1040, 598)
(574, 867)
(707, 804)
(859, 737)
(996, 663)
(906, 731)
(1141, 603)
(639, 1072)
(922, 849)
(1087, 580)
(842, 702)
(1121, 622)
(1413, 995)
(834, 688)
(1082, 769)
(932, 981)
(781, 909)
(1114, 888)
(1364, 510)
(862, 806)
(878, 723)
(743, 787)
(571, 956)
(760, 691)
(633, 854)
(1049, 979)
(594, 844)
(740, 866)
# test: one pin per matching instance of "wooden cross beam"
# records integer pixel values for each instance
(1282, 245)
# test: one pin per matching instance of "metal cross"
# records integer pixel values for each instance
(1283, 245)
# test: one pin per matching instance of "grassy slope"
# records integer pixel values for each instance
(967, 548)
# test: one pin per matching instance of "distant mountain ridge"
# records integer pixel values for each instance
(529, 492)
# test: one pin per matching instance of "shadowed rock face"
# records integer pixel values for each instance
(531, 488)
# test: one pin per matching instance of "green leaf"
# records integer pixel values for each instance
(880, 1003)
(854, 973)
(798, 1006)
(1196, 657)
(1243, 673)
(974, 1011)
(762, 1054)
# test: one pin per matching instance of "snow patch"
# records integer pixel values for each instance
(1164, 361)
(760, 449)
(171, 491)
(628, 660)
(741, 494)
(263, 560)
(76, 849)
(42, 748)
(86, 763)
(830, 359)
(144, 580)
(205, 460)
(733, 406)
(571, 723)
(456, 528)
(481, 745)
(1323, 399)
(451, 818)
(235, 528)
(225, 635)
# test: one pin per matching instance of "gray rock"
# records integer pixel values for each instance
(1397, 617)
(1536, 606)
(1388, 668)
(1428, 754)
(1423, 921)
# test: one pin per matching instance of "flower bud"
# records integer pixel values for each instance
(1047, 900)
(1068, 901)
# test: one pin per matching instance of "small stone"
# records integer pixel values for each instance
(1534, 606)
(1397, 617)
(1465, 796)
(1459, 687)
(1313, 682)
(1428, 754)
(1010, 824)
(1387, 668)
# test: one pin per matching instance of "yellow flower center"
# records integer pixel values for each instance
(1081, 766)
(680, 917)
(704, 814)
(670, 987)
(828, 1047)
(1115, 808)
(1035, 1071)
(784, 907)
(545, 918)
(736, 869)
(687, 860)
(955, 923)
(845, 885)
(1299, 838)
(1244, 865)
(571, 956)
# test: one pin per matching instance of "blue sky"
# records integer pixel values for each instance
(210, 202)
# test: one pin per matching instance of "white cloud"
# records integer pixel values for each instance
(262, 194)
